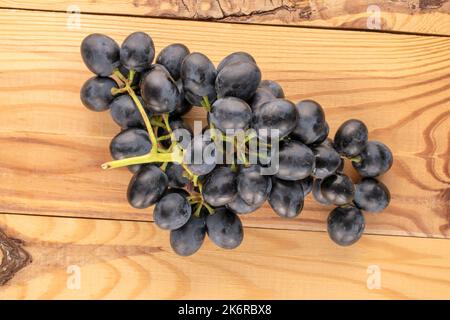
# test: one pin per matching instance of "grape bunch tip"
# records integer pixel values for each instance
(242, 165)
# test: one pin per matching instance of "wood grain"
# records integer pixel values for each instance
(418, 16)
(126, 260)
(51, 146)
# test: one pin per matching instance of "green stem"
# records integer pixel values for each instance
(356, 159)
(147, 158)
(205, 103)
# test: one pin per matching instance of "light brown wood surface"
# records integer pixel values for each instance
(52, 146)
(133, 260)
(417, 16)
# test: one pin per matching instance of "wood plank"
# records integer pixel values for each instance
(417, 16)
(125, 260)
(52, 146)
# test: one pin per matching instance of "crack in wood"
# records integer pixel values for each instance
(14, 258)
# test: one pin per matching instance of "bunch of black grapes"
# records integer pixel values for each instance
(147, 98)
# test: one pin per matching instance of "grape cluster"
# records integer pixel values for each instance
(245, 166)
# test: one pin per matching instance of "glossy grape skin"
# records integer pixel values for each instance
(188, 239)
(338, 189)
(225, 229)
(172, 211)
(220, 187)
(200, 146)
(317, 193)
(101, 54)
(199, 75)
(351, 138)
(261, 96)
(174, 173)
(376, 159)
(185, 106)
(371, 195)
(323, 135)
(286, 198)
(171, 57)
(274, 87)
(125, 112)
(239, 206)
(130, 143)
(235, 57)
(147, 186)
(159, 91)
(345, 225)
(253, 188)
(310, 125)
(137, 52)
(96, 93)
(238, 79)
(296, 161)
(230, 114)
(327, 161)
(307, 185)
(279, 114)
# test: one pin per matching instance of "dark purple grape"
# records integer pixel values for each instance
(261, 96)
(147, 186)
(185, 106)
(130, 143)
(345, 225)
(199, 75)
(235, 57)
(317, 193)
(253, 188)
(230, 114)
(338, 189)
(159, 91)
(296, 161)
(322, 135)
(371, 195)
(286, 198)
(172, 211)
(239, 206)
(188, 239)
(307, 185)
(137, 52)
(101, 54)
(274, 87)
(225, 228)
(200, 156)
(238, 79)
(171, 57)
(125, 112)
(327, 161)
(181, 131)
(279, 114)
(175, 175)
(311, 124)
(220, 187)
(96, 93)
(376, 159)
(351, 138)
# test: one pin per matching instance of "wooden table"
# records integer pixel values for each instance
(72, 219)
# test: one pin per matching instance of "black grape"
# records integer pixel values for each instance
(274, 87)
(175, 173)
(200, 146)
(238, 79)
(253, 188)
(317, 193)
(307, 185)
(327, 161)
(225, 228)
(96, 93)
(198, 74)
(345, 225)
(371, 195)
(180, 130)
(188, 239)
(185, 106)
(351, 138)
(101, 54)
(235, 57)
(230, 113)
(172, 211)
(171, 57)
(278, 114)
(220, 187)
(296, 161)
(159, 91)
(338, 189)
(239, 206)
(286, 198)
(376, 159)
(311, 124)
(125, 112)
(137, 52)
(147, 186)
(261, 96)
(130, 143)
